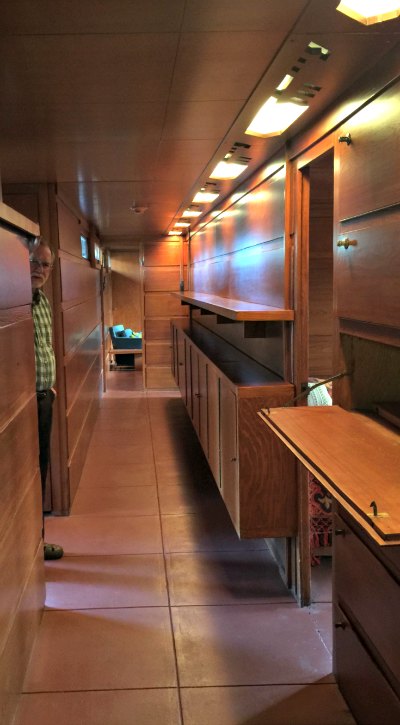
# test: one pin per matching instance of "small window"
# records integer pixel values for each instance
(84, 247)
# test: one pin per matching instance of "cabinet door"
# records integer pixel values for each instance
(181, 357)
(195, 390)
(229, 452)
(203, 402)
(369, 166)
(213, 381)
(367, 274)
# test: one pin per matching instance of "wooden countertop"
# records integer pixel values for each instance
(354, 456)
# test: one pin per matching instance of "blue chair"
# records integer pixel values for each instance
(121, 340)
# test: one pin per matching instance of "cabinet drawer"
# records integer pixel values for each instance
(370, 592)
(369, 695)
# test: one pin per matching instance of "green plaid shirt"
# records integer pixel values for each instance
(44, 353)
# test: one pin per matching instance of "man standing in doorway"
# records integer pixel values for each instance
(41, 263)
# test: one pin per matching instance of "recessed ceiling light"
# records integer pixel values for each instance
(203, 197)
(285, 82)
(182, 224)
(174, 233)
(369, 12)
(274, 117)
(227, 170)
(191, 213)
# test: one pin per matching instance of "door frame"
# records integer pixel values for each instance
(299, 219)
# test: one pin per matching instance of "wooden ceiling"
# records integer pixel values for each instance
(135, 101)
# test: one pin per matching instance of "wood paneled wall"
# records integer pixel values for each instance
(79, 364)
(241, 255)
(21, 555)
(164, 268)
(126, 289)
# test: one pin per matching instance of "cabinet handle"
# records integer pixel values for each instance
(197, 395)
(340, 532)
(180, 363)
(340, 625)
(233, 460)
(346, 243)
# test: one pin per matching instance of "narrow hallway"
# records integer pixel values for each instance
(158, 613)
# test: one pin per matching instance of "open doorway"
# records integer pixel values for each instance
(314, 359)
(320, 356)
(124, 370)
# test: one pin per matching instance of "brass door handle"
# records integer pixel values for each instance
(346, 243)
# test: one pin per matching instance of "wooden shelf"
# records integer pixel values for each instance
(235, 310)
(355, 457)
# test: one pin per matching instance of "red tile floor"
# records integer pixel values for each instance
(158, 614)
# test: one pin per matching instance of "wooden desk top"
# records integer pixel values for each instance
(355, 457)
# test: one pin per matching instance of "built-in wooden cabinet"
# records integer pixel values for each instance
(223, 391)
(365, 618)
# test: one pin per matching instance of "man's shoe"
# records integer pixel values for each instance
(53, 551)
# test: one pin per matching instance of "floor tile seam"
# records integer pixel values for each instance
(101, 689)
(292, 605)
(111, 609)
(174, 644)
(113, 516)
(129, 553)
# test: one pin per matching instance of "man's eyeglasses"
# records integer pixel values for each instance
(39, 263)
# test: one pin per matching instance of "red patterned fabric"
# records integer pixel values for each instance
(320, 507)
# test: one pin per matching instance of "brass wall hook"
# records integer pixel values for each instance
(345, 139)
(374, 508)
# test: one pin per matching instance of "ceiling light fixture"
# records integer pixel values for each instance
(227, 170)
(202, 197)
(370, 12)
(174, 233)
(285, 82)
(182, 224)
(191, 213)
(274, 117)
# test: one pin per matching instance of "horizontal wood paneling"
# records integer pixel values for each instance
(369, 166)
(159, 377)
(255, 218)
(15, 284)
(24, 527)
(157, 329)
(367, 275)
(77, 462)
(79, 321)
(19, 458)
(17, 365)
(69, 230)
(157, 279)
(79, 410)
(78, 279)
(15, 656)
(158, 353)
(77, 366)
(162, 254)
(164, 304)
(254, 276)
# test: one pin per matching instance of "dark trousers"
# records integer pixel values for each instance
(45, 416)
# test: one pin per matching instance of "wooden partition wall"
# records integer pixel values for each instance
(79, 346)
(74, 291)
(164, 268)
(21, 555)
